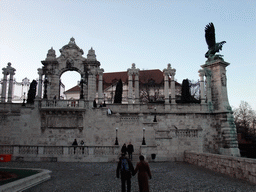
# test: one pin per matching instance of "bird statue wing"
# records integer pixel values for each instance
(210, 35)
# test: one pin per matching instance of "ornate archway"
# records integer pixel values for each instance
(71, 59)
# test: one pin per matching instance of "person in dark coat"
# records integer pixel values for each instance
(130, 150)
(144, 172)
(75, 145)
(126, 168)
(94, 103)
(124, 149)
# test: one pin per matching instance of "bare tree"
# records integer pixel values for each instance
(245, 119)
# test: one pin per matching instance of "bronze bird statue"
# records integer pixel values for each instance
(213, 47)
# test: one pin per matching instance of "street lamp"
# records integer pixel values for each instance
(116, 143)
(155, 116)
(143, 140)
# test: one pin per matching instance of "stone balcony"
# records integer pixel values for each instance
(69, 104)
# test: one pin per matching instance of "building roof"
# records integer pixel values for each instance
(112, 78)
(73, 89)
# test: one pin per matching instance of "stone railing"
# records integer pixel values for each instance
(238, 167)
(188, 132)
(61, 153)
(63, 104)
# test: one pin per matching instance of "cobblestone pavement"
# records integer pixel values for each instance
(166, 176)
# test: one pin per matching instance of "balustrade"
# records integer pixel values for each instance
(58, 151)
(26, 150)
(53, 150)
(187, 133)
(62, 104)
(6, 149)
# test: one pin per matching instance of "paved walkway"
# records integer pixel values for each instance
(100, 177)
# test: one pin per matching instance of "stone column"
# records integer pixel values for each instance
(173, 94)
(133, 71)
(100, 85)
(92, 85)
(166, 87)
(169, 71)
(10, 87)
(130, 89)
(137, 89)
(4, 85)
(40, 73)
(201, 75)
(6, 71)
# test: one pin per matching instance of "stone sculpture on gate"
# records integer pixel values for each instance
(211, 42)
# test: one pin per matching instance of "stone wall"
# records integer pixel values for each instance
(182, 127)
(237, 167)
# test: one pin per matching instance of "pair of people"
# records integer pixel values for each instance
(128, 149)
(76, 144)
(127, 170)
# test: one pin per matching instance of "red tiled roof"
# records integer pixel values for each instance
(113, 77)
(73, 89)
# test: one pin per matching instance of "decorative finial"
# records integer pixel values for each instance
(133, 66)
(72, 40)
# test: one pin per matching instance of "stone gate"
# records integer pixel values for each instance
(46, 129)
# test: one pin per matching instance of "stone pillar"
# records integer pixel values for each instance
(10, 87)
(169, 71)
(208, 74)
(40, 73)
(4, 85)
(201, 75)
(166, 87)
(130, 89)
(92, 85)
(100, 85)
(215, 71)
(173, 92)
(6, 71)
(54, 86)
(137, 89)
(133, 71)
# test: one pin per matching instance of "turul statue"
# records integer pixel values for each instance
(213, 47)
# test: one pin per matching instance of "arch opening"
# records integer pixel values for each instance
(69, 85)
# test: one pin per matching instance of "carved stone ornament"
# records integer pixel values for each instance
(51, 56)
(91, 55)
(71, 50)
(223, 80)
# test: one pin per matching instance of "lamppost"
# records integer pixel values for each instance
(116, 143)
(155, 116)
(143, 140)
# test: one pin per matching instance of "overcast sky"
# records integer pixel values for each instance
(150, 34)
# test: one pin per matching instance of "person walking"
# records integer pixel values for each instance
(130, 150)
(144, 172)
(124, 149)
(126, 168)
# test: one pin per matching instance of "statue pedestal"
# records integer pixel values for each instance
(217, 84)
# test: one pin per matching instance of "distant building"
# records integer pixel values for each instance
(151, 85)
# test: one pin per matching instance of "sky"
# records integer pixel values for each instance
(149, 33)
